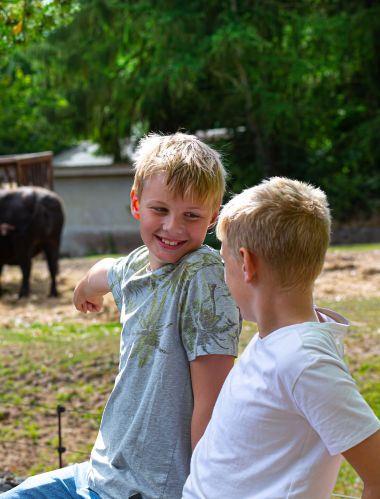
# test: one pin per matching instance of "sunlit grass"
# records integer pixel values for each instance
(42, 366)
(358, 248)
(75, 364)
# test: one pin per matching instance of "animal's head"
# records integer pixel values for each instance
(6, 228)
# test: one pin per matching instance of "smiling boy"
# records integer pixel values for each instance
(179, 337)
(160, 212)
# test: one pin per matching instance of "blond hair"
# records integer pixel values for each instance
(191, 167)
(286, 222)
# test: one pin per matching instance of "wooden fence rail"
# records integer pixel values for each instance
(27, 169)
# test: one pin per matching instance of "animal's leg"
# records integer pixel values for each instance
(26, 267)
(51, 252)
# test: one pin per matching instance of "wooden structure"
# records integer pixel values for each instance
(27, 169)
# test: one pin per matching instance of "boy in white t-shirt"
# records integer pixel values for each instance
(289, 408)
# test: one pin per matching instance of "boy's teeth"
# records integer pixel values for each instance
(170, 243)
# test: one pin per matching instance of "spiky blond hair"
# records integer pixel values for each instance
(286, 222)
(191, 167)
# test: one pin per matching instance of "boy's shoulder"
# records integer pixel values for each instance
(307, 345)
(204, 262)
(129, 264)
(203, 256)
(325, 338)
(203, 259)
(309, 337)
(138, 257)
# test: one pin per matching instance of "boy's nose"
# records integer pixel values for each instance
(172, 224)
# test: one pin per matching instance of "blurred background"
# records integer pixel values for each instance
(279, 87)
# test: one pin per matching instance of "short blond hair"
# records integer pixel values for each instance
(191, 167)
(284, 221)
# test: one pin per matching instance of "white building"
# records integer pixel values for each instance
(96, 196)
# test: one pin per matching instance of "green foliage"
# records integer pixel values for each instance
(33, 110)
(301, 79)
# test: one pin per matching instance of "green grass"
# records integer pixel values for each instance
(42, 366)
(355, 247)
(75, 365)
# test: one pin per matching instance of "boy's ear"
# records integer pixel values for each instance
(249, 264)
(213, 219)
(135, 205)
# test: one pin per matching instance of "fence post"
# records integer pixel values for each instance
(60, 448)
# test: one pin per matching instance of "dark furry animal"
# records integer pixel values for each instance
(31, 221)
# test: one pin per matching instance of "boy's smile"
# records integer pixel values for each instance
(170, 225)
(169, 244)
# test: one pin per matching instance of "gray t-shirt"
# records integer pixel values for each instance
(170, 316)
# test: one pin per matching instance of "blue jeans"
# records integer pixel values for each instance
(66, 483)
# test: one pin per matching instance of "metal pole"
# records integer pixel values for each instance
(60, 448)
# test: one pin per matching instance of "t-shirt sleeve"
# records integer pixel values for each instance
(116, 276)
(210, 320)
(328, 397)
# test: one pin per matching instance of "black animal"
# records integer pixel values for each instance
(31, 221)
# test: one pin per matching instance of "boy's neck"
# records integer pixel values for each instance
(278, 309)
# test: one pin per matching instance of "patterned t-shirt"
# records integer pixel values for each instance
(169, 317)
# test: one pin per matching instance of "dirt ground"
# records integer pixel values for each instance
(39, 307)
(346, 274)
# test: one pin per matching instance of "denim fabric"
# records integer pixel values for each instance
(65, 483)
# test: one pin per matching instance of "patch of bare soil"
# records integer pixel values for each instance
(38, 307)
(346, 274)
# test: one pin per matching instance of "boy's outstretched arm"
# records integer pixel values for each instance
(89, 292)
(208, 373)
(365, 459)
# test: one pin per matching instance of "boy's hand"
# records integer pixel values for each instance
(93, 304)
(89, 292)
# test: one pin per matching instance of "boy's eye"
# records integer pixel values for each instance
(159, 209)
(192, 215)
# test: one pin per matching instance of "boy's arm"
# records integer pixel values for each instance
(365, 459)
(89, 292)
(208, 373)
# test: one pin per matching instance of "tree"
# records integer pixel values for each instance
(295, 83)
(33, 111)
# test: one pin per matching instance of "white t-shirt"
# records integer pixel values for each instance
(286, 411)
